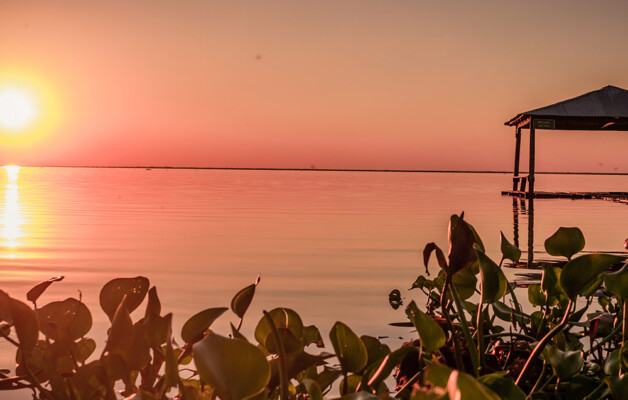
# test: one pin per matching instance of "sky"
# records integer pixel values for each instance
(299, 84)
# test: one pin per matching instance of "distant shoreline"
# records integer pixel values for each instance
(323, 170)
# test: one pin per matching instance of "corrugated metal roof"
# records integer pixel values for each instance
(607, 102)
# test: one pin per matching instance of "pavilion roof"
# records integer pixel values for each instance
(602, 109)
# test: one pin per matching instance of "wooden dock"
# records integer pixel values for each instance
(619, 197)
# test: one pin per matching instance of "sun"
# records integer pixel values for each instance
(18, 108)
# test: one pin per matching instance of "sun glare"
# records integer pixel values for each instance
(17, 108)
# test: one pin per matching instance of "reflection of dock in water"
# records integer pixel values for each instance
(535, 260)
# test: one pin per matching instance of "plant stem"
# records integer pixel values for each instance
(538, 381)
(541, 345)
(454, 335)
(465, 330)
(501, 334)
(283, 370)
(480, 336)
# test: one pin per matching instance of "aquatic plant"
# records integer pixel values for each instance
(476, 340)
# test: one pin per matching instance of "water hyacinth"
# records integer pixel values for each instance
(473, 338)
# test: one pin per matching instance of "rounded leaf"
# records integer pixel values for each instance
(565, 242)
(431, 334)
(494, 282)
(465, 282)
(502, 385)
(617, 282)
(235, 368)
(463, 386)
(195, 327)
(350, 350)
(282, 318)
(67, 319)
(565, 364)
(579, 272)
(112, 293)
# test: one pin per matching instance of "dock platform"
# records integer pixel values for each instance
(620, 197)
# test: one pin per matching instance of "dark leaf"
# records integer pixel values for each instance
(195, 327)
(350, 350)
(509, 251)
(235, 368)
(580, 271)
(38, 289)
(431, 334)
(111, 295)
(565, 242)
(427, 252)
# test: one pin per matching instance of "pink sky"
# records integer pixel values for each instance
(332, 84)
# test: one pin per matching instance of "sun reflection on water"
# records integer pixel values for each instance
(11, 214)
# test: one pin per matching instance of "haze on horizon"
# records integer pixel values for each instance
(350, 84)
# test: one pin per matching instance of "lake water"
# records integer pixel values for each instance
(330, 245)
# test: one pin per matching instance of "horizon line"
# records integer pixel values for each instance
(324, 169)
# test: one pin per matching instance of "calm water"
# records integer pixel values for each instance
(331, 245)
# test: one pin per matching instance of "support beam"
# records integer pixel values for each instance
(515, 180)
(531, 163)
(530, 232)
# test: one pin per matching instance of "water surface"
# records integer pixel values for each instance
(330, 245)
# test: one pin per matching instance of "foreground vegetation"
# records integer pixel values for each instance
(475, 339)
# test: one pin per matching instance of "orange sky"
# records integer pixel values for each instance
(333, 84)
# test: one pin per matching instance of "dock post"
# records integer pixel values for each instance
(530, 232)
(515, 180)
(531, 164)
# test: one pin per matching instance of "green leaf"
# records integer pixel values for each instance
(565, 242)
(313, 389)
(565, 364)
(360, 396)
(550, 280)
(465, 282)
(195, 327)
(111, 294)
(463, 386)
(618, 385)
(494, 283)
(242, 300)
(578, 272)
(350, 350)
(63, 320)
(282, 318)
(617, 282)
(378, 371)
(431, 334)
(375, 349)
(509, 251)
(535, 296)
(235, 368)
(84, 348)
(311, 335)
(611, 364)
(502, 385)
(38, 289)
(437, 375)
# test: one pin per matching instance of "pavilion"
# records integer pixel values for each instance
(605, 109)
